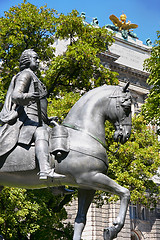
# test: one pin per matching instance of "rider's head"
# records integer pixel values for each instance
(27, 58)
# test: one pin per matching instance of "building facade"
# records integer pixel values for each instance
(127, 58)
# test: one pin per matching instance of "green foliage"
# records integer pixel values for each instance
(25, 26)
(2, 93)
(79, 67)
(60, 106)
(136, 162)
(32, 213)
(151, 109)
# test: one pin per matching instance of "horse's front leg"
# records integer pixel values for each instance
(85, 198)
(102, 182)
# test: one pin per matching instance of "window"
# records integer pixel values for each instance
(138, 212)
(144, 213)
(133, 212)
(158, 211)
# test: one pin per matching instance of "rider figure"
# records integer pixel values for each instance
(21, 102)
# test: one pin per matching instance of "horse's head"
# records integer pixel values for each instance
(120, 113)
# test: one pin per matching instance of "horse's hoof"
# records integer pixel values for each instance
(109, 233)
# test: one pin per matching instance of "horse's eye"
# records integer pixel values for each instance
(127, 110)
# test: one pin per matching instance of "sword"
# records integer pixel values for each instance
(38, 105)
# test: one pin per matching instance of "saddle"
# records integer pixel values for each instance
(22, 156)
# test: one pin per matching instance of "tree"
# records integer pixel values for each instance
(79, 68)
(24, 26)
(32, 214)
(136, 162)
(152, 65)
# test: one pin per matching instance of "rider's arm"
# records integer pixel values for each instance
(20, 93)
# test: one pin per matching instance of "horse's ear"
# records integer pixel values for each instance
(125, 87)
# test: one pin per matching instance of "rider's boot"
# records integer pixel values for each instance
(41, 148)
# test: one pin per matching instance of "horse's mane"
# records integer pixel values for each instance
(89, 99)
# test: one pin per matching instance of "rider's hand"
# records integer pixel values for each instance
(33, 96)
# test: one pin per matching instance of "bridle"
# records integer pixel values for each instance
(121, 121)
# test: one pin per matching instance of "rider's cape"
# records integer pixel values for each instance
(9, 131)
(9, 112)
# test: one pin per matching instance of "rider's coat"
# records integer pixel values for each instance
(19, 116)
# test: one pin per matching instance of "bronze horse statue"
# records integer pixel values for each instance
(85, 163)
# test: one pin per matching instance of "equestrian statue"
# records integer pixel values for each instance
(34, 155)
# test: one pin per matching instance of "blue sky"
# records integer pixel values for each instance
(145, 13)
